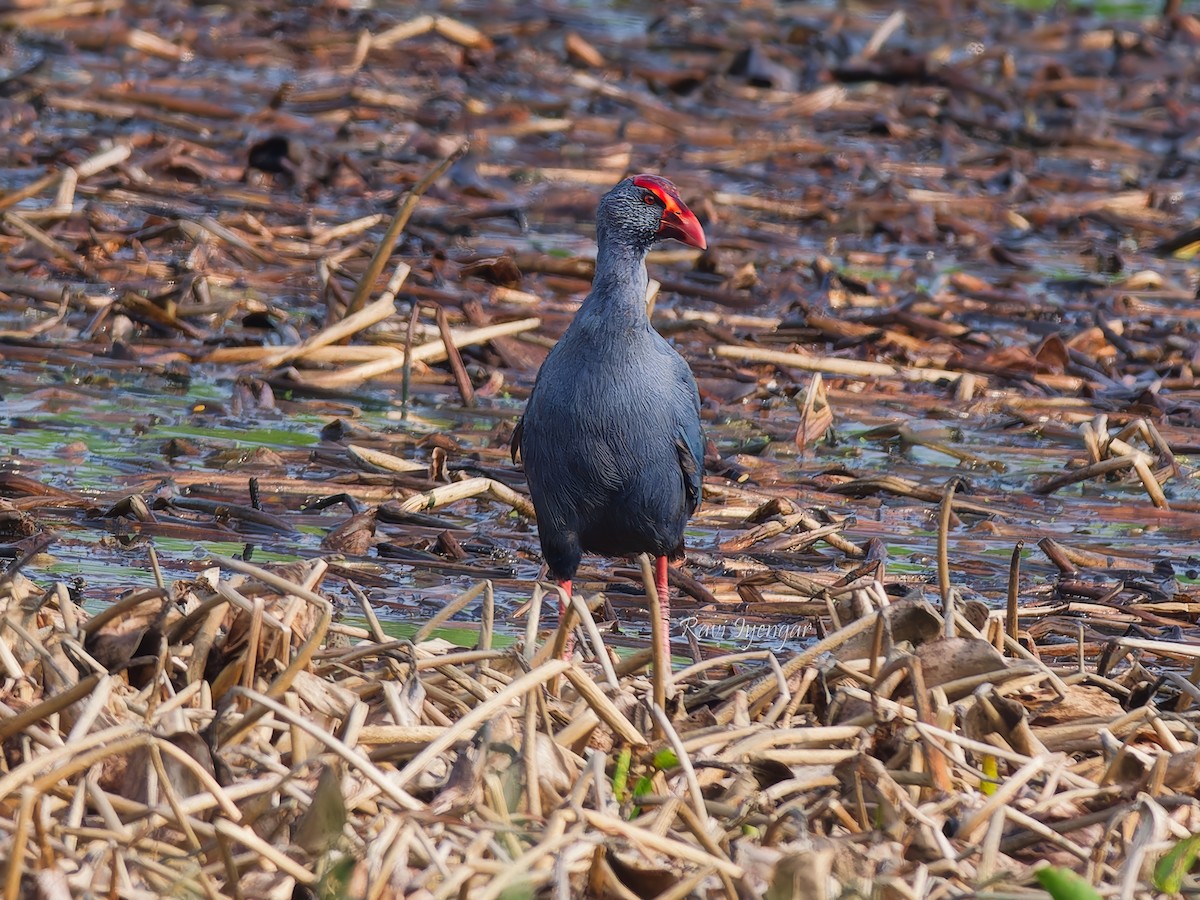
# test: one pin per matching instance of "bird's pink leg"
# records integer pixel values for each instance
(563, 606)
(664, 603)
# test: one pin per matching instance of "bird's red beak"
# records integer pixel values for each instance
(678, 221)
(681, 223)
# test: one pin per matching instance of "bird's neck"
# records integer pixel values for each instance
(619, 285)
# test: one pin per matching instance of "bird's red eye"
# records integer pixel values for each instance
(649, 199)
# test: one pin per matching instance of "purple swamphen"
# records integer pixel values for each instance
(611, 438)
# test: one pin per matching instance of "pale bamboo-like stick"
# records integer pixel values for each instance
(662, 658)
(465, 489)
(44, 240)
(945, 511)
(1047, 833)
(460, 32)
(96, 704)
(415, 27)
(727, 660)
(886, 29)
(461, 657)
(93, 165)
(1167, 648)
(1150, 483)
(604, 707)
(1104, 467)
(1008, 791)
(673, 847)
(453, 30)
(338, 355)
(529, 756)
(578, 728)
(388, 242)
(685, 762)
(370, 315)
(228, 235)
(372, 735)
(346, 229)
(434, 351)
(803, 756)
(265, 849)
(580, 608)
(16, 856)
(788, 208)
(766, 738)
(154, 45)
(831, 365)
(11, 725)
(454, 606)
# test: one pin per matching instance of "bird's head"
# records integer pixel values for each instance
(647, 208)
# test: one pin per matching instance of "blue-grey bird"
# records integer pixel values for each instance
(611, 438)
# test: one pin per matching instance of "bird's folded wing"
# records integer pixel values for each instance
(690, 448)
